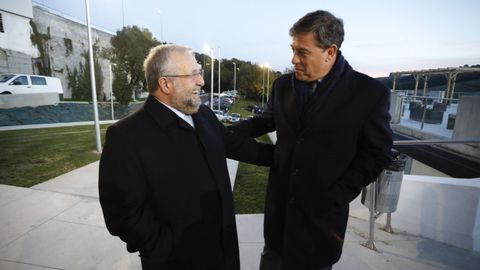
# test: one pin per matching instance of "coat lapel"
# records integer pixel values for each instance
(163, 116)
(213, 147)
(286, 97)
(329, 96)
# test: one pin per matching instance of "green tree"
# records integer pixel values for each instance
(249, 76)
(130, 46)
(79, 79)
(121, 87)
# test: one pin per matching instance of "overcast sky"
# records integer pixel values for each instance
(380, 36)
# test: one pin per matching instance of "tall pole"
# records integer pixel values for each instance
(203, 65)
(211, 80)
(92, 80)
(268, 81)
(219, 65)
(161, 26)
(263, 84)
(234, 79)
(123, 14)
(111, 91)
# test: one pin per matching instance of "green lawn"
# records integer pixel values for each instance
(240, 107)
(32, 156)
(250, 186)
(29, 157)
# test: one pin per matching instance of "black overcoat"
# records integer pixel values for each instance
(325, 153)
(165, 189)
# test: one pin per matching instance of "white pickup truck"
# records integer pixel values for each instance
(29, 84)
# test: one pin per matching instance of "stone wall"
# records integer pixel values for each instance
(24, 100)
(62, 31)
(15, 62)
(64, 112)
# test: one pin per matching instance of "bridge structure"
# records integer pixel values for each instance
(450, 73)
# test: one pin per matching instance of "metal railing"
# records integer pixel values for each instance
(427, 142)
(374, 214)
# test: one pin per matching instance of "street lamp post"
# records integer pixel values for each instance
(234, 79)
(211, 80)
(92, 80)
(219, 66)
(207, 48)
(234, 76)
(268, 80)
(161, 26)
(263, 83)
(111, 90)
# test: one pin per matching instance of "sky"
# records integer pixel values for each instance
(381, 36)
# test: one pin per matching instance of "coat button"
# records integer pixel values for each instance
(299, 141)
(295, 172)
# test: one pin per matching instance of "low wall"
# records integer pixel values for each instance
(469, 126)
(443, 209)
(64, 112)
(31, 100)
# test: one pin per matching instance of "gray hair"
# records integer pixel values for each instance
(158, 63)
(326, 28)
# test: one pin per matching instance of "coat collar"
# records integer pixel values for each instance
(163, 116)
(329, 93)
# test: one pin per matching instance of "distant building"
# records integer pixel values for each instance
(16, 49)
(67, 41)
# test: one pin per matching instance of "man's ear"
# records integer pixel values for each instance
(332, 52)
(164, 85)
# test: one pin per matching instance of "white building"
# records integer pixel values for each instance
(67, 40)
(16, 49)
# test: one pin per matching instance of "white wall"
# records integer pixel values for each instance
(443, 209)
(24, 100)
(16, 34)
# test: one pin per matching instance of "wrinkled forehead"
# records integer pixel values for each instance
(184, 62)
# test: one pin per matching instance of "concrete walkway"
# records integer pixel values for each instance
(59, 225)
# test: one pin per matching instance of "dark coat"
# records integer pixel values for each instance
(325, 153)
(165, 189)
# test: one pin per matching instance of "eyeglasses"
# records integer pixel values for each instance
(194, 74)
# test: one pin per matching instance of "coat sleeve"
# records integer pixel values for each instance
(241, 147)
(373, 153)
(123, 193)
(258, 125)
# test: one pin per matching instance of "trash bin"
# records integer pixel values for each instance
(389, 183)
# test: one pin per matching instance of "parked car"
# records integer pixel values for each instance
(252, 107)
(29, 84)
(234, 118)
(220, 115)
(223, 104)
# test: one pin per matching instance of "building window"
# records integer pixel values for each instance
(1, 24)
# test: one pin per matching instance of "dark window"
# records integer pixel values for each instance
(5, 77)
(22, 80)
(38, 80)
(1, 24)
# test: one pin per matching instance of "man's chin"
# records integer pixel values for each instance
(300, 76)
(191, 110)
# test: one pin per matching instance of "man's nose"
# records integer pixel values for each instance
(295, 59)
(200, 81)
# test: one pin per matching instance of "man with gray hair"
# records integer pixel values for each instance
(333, 138)
(163, 181)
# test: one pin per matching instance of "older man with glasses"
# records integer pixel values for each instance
(164, 185)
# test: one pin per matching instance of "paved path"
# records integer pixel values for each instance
(59, 225)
